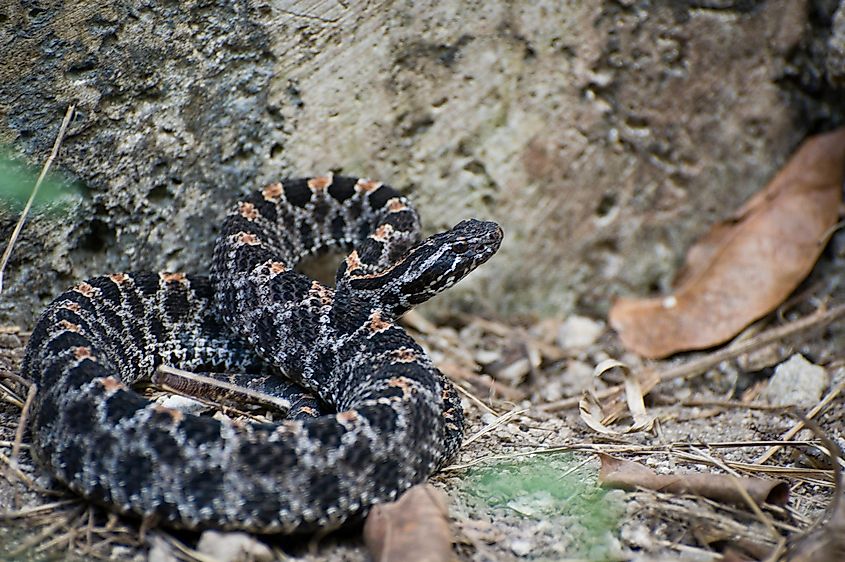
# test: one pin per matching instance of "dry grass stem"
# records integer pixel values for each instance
(16, 446)
(501, 420)
(476, 400)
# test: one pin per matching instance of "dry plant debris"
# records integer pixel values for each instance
(415, 528)
(726, 488)
(744, 267)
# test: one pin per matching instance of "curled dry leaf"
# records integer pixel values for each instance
(413, 528)
(597, 417)
(746, 266)
(628, 475)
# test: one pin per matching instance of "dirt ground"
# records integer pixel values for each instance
(524, 486)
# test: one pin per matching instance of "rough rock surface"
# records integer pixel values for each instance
(604, 136)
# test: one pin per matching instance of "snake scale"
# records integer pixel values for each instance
(391, 417)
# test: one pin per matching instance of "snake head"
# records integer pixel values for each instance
(433, 265)
(442, 260)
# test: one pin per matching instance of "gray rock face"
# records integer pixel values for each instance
(603, 136)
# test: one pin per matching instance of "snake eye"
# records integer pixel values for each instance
(460, 247)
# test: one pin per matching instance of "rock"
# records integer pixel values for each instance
(797, 382)
(579, 332)
(160, 552)
(521, 547)
(233, 547)
(604, 136)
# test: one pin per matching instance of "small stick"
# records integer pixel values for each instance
(29, 511)
(193, 385)
(19, 226)
(478, 402)
(501, 420)
(733, 404)
(30, 396)
(14, 470)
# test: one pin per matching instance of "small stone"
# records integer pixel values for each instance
(183, 404)
(796, 382)
(160, 552)
(521, 547)
(233, 547)
(578, 332)
(10, 341)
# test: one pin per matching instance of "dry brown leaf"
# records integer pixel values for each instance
(628, 475)
(745, 267)
(732, 547)
(413, 528)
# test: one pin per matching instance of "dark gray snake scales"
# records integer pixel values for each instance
(390, 417)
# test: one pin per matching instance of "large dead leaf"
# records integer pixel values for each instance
(745, 267)
(415, 527)
(629, 475)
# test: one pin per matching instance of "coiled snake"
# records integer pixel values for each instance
(391, 420)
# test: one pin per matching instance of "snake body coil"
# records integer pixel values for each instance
(392, 420)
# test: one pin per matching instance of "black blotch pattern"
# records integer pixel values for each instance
(382, 195)
(165, 446)
(280, 456)
(297, 192)
(48, 411)
(386, 471)
(327, 432)
(306, 235)
(80, 413)
(70, 459)
(402, 220)
(199, 431)
(321, 210)
(83, 373)
(146, 283)
(205, 486)
(123, 404)
(382, 417)
(176, 301)
(136, 467)
(328, 487)
(266, 209)
(342, 188)
(337, 227)
(358, 455)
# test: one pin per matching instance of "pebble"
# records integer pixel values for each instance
(579, 332)
(521, 547)
(233, 547)
(797, 382)
(10, 341)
